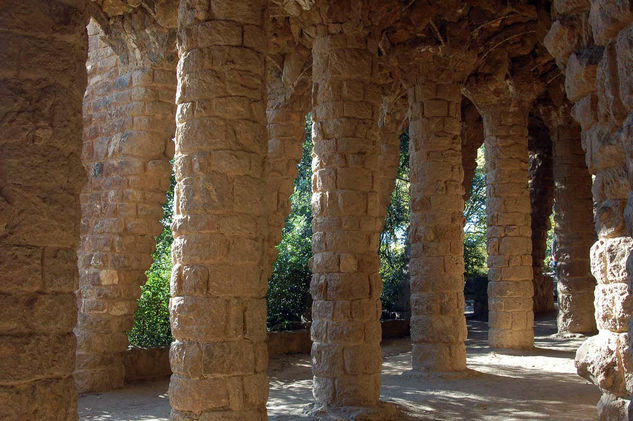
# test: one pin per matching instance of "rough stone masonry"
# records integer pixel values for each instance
(88, 114)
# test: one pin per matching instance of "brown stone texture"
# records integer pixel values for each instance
(573, 228)
(219, 280)
(541, 186)
(42, 81)
(128, 129)
(510, 288)
(348, 216)
(472, 136)
(287, 106)
(436, 235)
(598, 80)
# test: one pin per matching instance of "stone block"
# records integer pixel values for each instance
(197, 395)
(580, 73)
(607, 18)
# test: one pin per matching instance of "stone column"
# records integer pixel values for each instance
(541, 186)
(573, 227)
(129, 126)
(598, 81)
(472, 136)
(438, 325)
(346, 287)
(42, 80)
(287, 107)
(218, 307)
(510, 287)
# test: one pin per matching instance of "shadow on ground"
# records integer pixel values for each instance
(529, 385)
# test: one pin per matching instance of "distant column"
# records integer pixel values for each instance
(510, 289)
(574, 230)
(436, 235)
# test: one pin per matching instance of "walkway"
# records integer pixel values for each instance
(532, 385)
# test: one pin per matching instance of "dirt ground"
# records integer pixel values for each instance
(540, 384)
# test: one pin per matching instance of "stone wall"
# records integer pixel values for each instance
(42, 82)
(591, 42)
(128, 130)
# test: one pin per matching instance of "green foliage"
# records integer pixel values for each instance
(151, 319)
(288, 288)
(548, 264)
(394, 259)
(475, 254)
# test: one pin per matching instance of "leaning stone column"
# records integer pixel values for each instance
(288, 103)
(129, 126)
(598, 81)
(510, 289)
(541, 186)
(346, 287)
(573, 227)
(42, 82)
(218, 306)
(438, 325)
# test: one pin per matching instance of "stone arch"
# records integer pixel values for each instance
(129, 123)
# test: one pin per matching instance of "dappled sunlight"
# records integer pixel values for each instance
(535, 384)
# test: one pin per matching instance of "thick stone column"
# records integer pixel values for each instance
(598, 80)
(129, 126)
(438, 325)
(346, 287)
(573, 227)
(541, 186)
(219, 282)
(42, 83)
(510, 289)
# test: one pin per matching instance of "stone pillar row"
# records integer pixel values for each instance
(510, 288)
(218, 306)
(42, 82)
(438, 325)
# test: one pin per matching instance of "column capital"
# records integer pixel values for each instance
(435, 64)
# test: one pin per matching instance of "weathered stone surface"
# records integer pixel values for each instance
(541, 186)
(438, 326)
(509, 232)
(346, 355)
(574, 231)
(602, 116)
(40, 181)
(219, 333)
(604, 359)
(128, 129)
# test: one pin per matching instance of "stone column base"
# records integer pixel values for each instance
(384, 411)
(612, 408)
